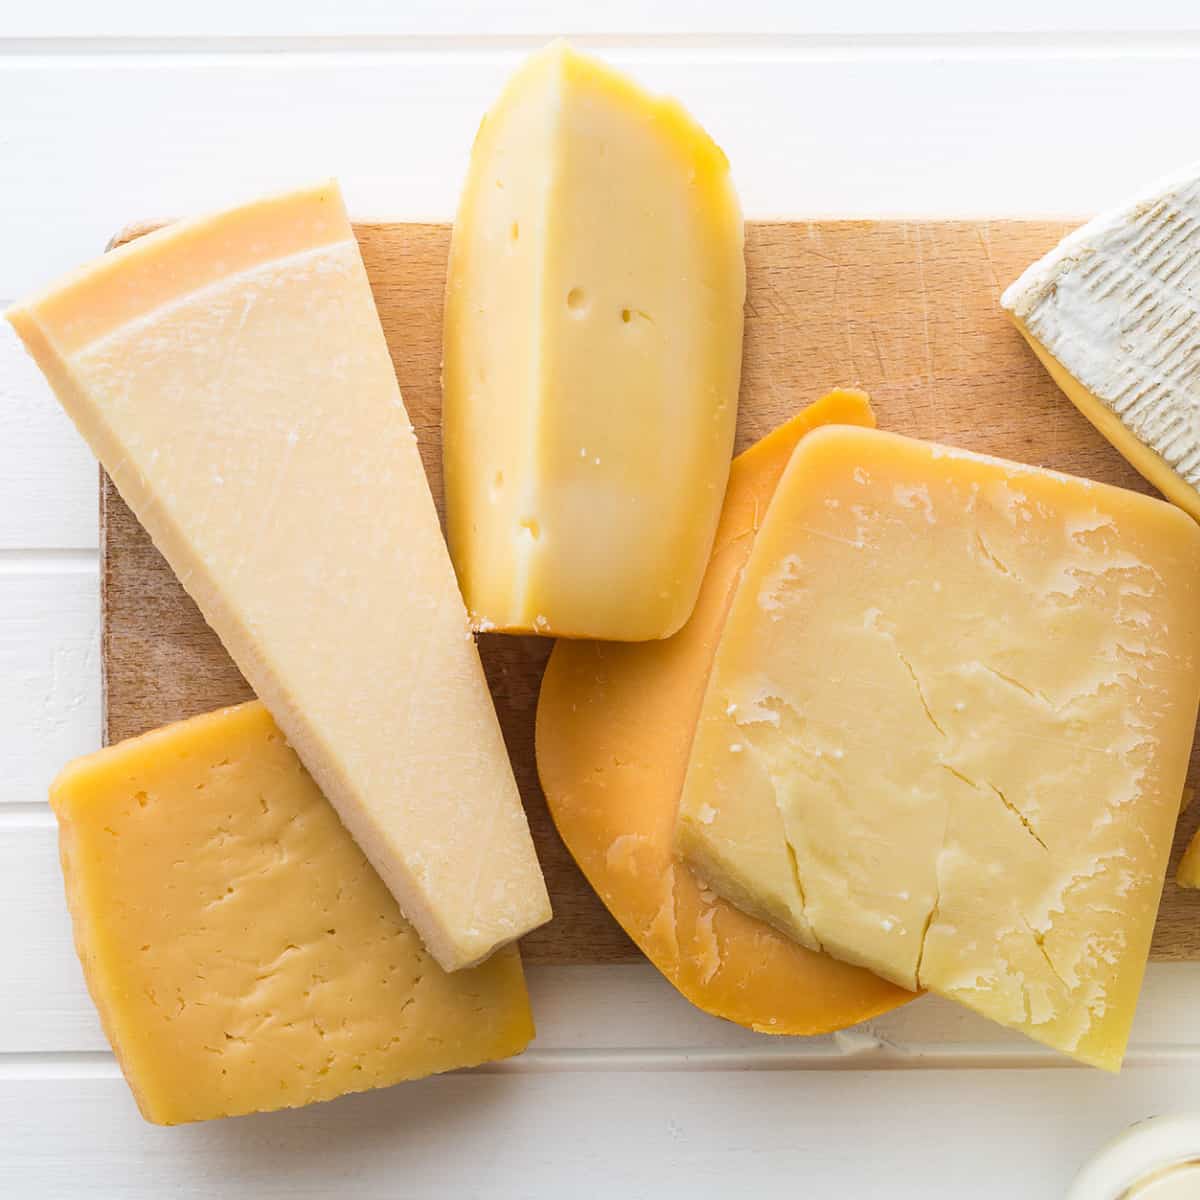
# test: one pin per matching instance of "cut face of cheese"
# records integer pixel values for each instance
(243, 954)
(947, 728)
(593, 339)
(614, 725)
(231, 375)
(1113, 312)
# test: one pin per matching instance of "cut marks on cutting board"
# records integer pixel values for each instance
(907, 310)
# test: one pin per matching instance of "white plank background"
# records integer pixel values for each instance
(114, 112)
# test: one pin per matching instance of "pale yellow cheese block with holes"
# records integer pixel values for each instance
(948, 725)
(240, 949)
(593, 346)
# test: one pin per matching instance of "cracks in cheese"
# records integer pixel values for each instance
(614, 725)
(231, 375)
(947, 728)
(593, 337)
(1113, 313)
(240, 949)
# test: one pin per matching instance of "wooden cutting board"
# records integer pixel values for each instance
(907, 310)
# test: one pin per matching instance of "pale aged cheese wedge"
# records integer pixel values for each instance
(948, 725)
(593, 340)
(614, 725)
(242, 952)
(1113, 312)
(231, 375)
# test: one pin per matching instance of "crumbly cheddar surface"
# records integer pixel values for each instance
(948, 725)
(613, 729)
(242, 952)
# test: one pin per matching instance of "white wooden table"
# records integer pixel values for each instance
(117, 111)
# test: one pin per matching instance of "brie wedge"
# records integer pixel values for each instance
(1114, 314)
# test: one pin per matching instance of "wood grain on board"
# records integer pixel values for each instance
(907, 310)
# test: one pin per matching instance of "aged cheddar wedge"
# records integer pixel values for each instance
(231, 375)
(593, 340)
(242, 952)
(1113, 313)
(613, 728)
(947, 727)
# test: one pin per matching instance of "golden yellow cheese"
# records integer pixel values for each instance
(231, 375)
(948, 725)
(593, 340)
(240, 949)
(614, 724)
(1187, 874)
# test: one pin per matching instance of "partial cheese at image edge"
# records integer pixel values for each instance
(592, 356)
(1112, 314)
(892, 764)
(1187, 874)
(614, 725)
(231, 374)
(241, 951)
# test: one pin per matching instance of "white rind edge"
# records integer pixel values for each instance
(1022, 293)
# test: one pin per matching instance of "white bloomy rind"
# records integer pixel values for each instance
(1117, 303)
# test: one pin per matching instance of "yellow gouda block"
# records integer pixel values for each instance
(231, 375)
(948, 725)
(593, 340)
(242, 952)
(613, 728)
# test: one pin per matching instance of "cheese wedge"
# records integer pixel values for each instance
(593, 341)
(1187, 874)
(948, 725)
(614, 725)
(231, 375)
(243, 954)
(1113, 313)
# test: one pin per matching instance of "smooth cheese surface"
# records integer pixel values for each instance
(614, 725)
(240, 949)
(231, 375)
(593, 336)
(1113, 312)
(948, 725)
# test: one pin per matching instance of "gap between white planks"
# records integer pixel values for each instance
(715, 47)
(80, 20)
(613, 1006)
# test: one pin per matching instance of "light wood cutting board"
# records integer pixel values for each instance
(907, 310)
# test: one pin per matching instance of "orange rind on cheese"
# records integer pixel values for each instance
(614, 729)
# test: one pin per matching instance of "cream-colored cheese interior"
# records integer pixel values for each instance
(948, 725)
(255, 427)
(592, 357)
